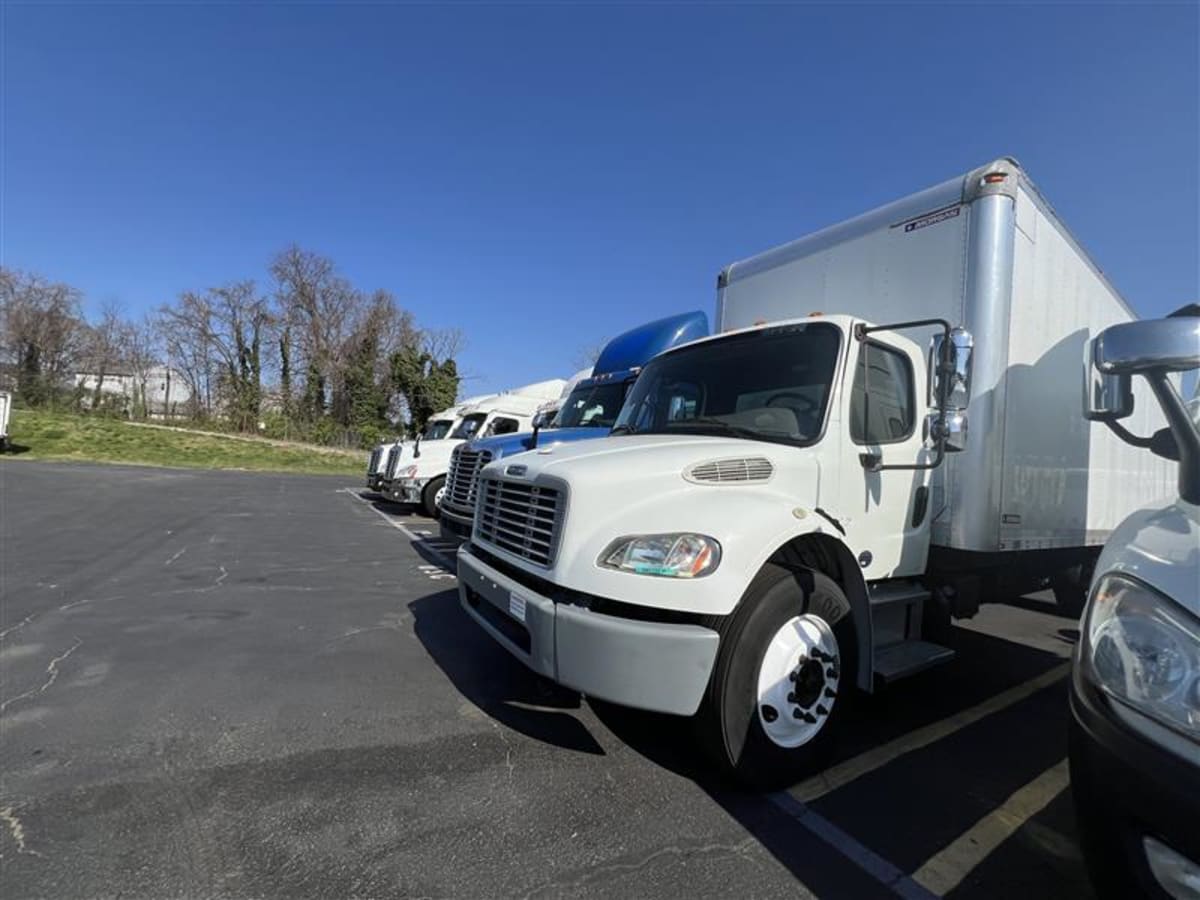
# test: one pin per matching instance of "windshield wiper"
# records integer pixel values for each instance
(623, 429)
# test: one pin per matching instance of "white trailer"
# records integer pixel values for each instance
(791, 509)
(5, 411)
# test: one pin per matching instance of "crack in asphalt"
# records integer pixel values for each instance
(51, 669)
(593, 874)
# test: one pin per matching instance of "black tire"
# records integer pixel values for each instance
(1070, 589)
(729, 719)
(429, 497)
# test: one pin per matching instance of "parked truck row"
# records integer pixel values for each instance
(792, 509)
(748, 526)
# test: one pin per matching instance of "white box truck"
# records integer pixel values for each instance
(791, 510)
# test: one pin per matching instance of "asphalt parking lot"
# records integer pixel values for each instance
(244, 685)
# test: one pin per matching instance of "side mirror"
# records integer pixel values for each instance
(952, 433)
(1107, 397)
(950, 370)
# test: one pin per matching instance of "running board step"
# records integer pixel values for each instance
(904, 592)
(909, 657)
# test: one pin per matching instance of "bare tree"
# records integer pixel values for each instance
(586, 356)
(139, 350)
(314, 305)
(103, 348)
(218, 337)
(42, 334)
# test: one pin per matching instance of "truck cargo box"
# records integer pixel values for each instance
(987, 252)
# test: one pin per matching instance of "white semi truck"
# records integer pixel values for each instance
(438, 427)
(417, 471)
(792, 510)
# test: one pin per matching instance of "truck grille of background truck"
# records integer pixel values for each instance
(463, 479)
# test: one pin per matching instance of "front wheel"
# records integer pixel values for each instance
(431, 497)
(783, 674)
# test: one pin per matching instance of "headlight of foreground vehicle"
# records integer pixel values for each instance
(407, 472)
(1144, 651)
(667, 555)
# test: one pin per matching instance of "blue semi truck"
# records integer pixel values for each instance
(589, 412)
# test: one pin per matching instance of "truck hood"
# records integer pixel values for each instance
(1160, 546)
(655, 454)
(508, 444)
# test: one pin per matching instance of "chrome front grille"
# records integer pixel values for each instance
(393, 460)
(524, 519)
(373, 462)
(462, 480)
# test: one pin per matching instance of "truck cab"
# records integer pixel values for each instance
(418, 471)
(439, 426)
(1135, 688)
(589, 411)
(645, 568)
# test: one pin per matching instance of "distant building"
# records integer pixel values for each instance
(166, 390)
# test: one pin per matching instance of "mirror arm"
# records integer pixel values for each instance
(1128, 436)
(1187, 439)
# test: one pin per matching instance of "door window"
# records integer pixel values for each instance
(882, 399)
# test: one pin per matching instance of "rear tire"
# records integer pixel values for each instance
(783, 676)
(431, 497)
(1070, 588)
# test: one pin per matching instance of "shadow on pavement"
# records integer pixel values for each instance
(490, 678)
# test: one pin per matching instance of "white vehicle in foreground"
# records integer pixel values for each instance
(438, 427)
(786, 512)
(418, 470)
(5, 410)
(1135, 689)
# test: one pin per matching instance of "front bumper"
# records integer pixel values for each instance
(408, 491)
(454, 525)
(1128, 788)
(655, 666)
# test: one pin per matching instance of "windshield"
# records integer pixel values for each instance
(437, 429)
(768, 385)
(468, 427)
(592, 406)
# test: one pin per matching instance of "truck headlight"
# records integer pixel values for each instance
(407, 472)
(668, 555)
(1143, 650)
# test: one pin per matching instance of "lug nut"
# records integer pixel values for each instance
(805, 716)
(830, 694)
(822, 711)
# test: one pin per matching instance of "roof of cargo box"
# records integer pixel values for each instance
(960, 189)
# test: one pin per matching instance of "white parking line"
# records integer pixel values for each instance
(447, 562)
(945, 870)
(843, 773)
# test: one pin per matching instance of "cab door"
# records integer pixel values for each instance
(886, 513)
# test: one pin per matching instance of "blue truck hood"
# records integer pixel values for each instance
(508, 444)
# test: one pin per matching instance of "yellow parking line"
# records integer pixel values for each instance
(945, 870)
(843, 773)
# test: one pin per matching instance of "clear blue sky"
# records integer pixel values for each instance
(543, 175)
